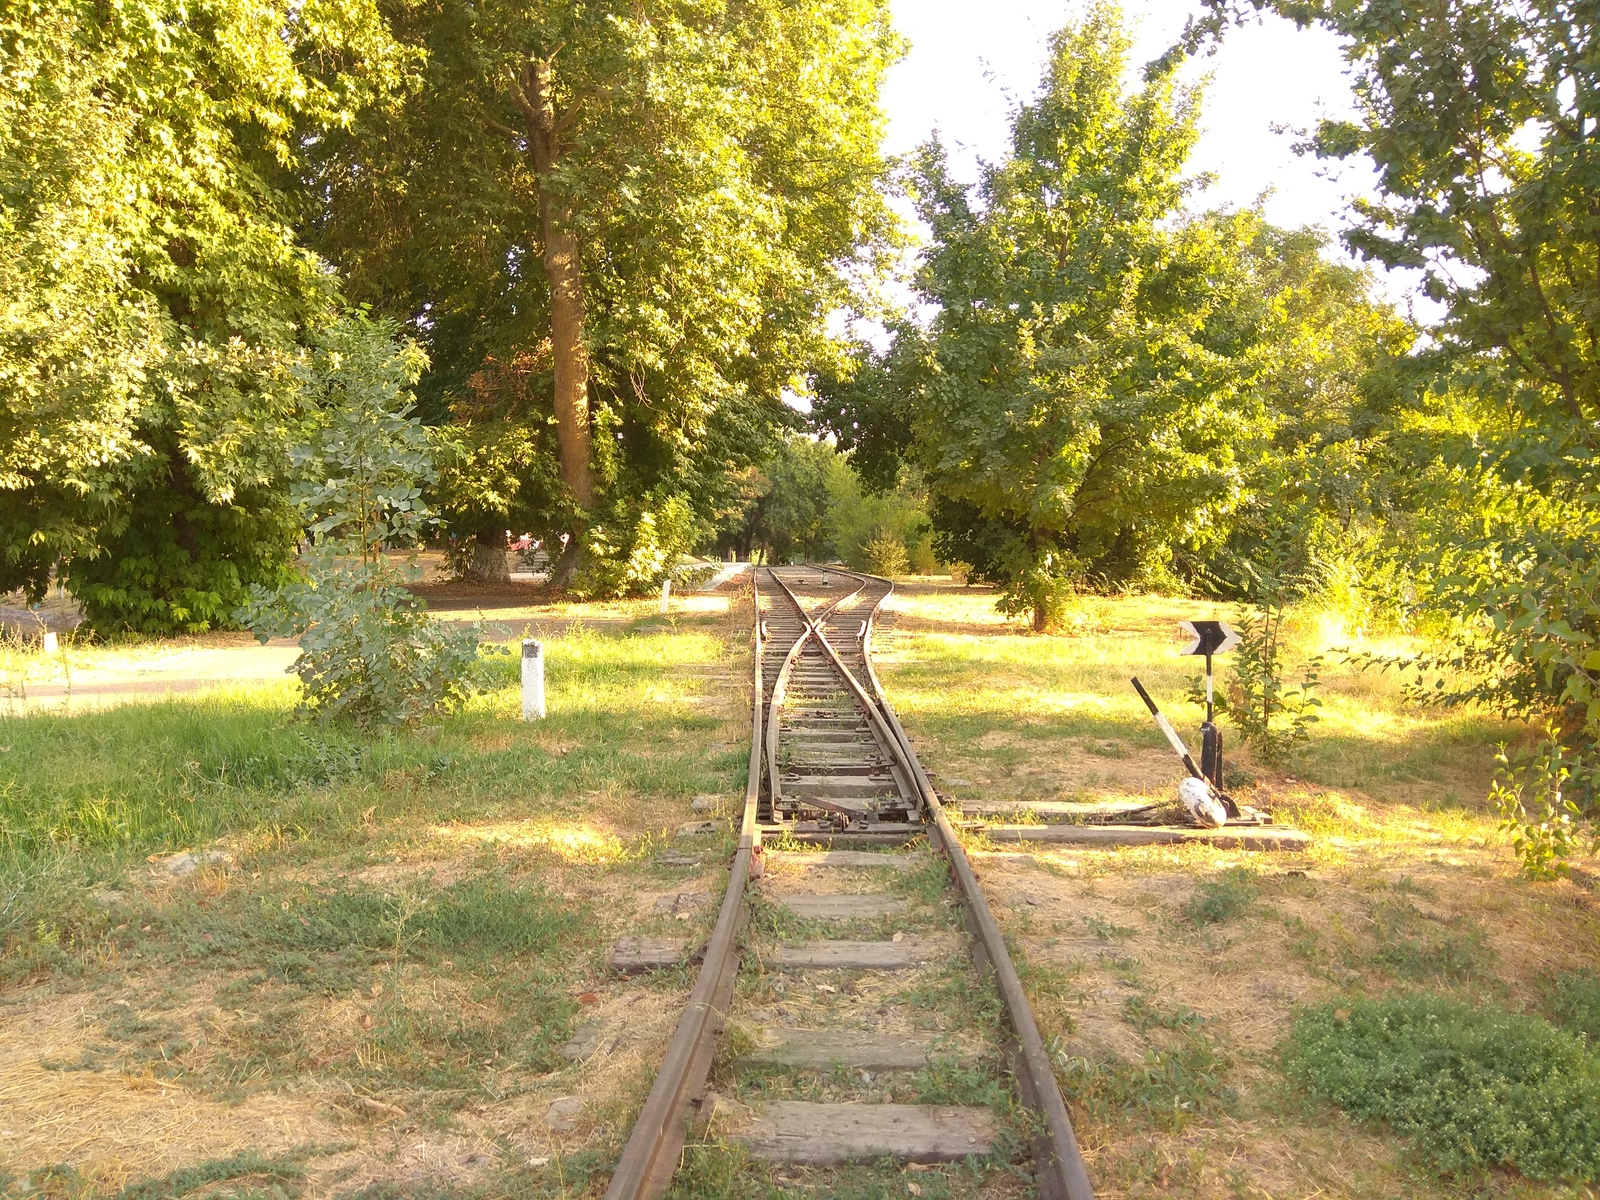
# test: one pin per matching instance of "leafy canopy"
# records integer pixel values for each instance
(155, 297)
(720, 171)
(1082, 394)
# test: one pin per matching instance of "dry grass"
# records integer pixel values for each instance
(294, 1003)
(1166, 977)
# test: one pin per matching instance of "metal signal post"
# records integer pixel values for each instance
(1210, 637)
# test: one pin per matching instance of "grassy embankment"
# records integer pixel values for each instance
(1169, 980)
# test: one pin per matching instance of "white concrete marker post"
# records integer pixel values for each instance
(666, 595)
(50, 643)
(532, 680)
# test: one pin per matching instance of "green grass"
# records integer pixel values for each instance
(1224, 897)
(175, 773)
(410, 921)
(1573, 1000)
(1067, 699)
(1471, 1087)
(84, 797)
(1415, 947)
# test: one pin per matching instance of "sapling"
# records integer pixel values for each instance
(369, 652)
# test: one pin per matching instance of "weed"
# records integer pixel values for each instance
(1105, 930)
(1414, 946)
(261, 1177)
(1222, 898)
(1573, 999)
(1181, 1076)
(1471, 1087)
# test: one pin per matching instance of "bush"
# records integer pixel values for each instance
(634, 553)
(1472, 1087)
(368, 651)
(177, 562)
(885, 554)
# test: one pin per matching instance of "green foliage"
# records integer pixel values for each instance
(1529, 789)
(718, 169)
(1101, 374)
(1515, 577)
(641, 548)
(156, 299)
(1573, 999)
(885, 554)
(369, 653)
(1222, 898)
(1478, 120)
(1274, 716)
(857, 515)
(784, 506)
(1472, 1087)
(177, 561)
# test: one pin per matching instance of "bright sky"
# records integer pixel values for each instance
(970, 64)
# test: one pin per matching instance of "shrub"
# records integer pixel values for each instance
(635, 552)
(1532, 788)
(1472, 1087)
(368, 651)
(885, 554)
(1226, 896)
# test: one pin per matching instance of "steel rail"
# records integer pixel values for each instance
(780, 685)
(1060, 1169)
(648, 1161)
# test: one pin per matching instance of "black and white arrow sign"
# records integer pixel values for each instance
(1210, 637)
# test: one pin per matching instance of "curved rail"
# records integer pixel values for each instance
(1060, 1168)
(651, 1156)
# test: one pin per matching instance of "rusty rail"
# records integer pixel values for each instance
(655, 1145)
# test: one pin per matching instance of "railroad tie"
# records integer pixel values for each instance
(838, 1017)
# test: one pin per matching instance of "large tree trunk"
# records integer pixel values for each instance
(565, 566)
(489, 557)
(563, 271)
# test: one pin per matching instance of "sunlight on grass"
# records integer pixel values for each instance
(575, 844)
(628, 713)
(1015, 714)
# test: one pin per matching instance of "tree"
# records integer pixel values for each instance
(643, 211)
(369, 653)
(786, 509)
(1083, 388)
(1482, 118)
(155, 300)
(1330, 482)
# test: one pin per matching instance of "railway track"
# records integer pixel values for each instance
(831, 766)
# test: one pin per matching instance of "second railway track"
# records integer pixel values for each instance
(820, 1033)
